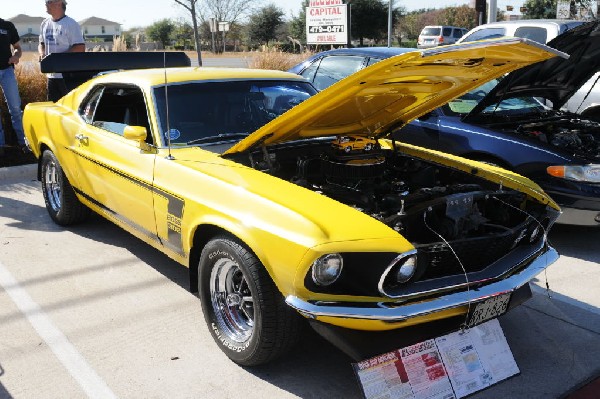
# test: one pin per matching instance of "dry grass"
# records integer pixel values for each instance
(276, 59)
(32, 88)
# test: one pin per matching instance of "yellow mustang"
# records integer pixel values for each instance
(235, 174)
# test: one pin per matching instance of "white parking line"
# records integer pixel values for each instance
(71, 359)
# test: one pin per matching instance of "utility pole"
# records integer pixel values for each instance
(493, 11)
(390, 23)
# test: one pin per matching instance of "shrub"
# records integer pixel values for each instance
(276, 59)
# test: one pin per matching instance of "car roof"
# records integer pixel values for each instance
(379, 52)
(157, 76)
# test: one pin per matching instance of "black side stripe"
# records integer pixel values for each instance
(175, 208)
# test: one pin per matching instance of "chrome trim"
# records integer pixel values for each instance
(396, 312)
(390, 266)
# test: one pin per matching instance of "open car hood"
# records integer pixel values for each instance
(394, 91)
(555, 79)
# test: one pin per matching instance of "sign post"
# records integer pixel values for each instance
(326, 22)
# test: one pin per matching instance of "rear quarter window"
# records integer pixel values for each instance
(447, 31)
(431, 31)
(532, 32)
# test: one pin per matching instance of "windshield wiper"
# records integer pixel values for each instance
(217, 138)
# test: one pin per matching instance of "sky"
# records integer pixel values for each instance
(132, 13)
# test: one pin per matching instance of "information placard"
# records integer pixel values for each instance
(452, 366)
(326, 23)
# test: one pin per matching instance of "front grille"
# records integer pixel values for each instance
(437, 259)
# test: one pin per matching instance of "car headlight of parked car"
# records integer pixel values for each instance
(327, 268)
(583, 173)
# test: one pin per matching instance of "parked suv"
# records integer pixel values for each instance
(432, 36)
(540, 30)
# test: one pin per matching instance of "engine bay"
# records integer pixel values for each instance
(580, 137)
(423, 201)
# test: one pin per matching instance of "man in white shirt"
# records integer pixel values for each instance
(59, 34)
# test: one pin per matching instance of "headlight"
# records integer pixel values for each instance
(584, 173)
(327, 269)
(407, 269)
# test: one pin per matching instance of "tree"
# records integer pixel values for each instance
(230, 11)
(262, 26)
(160, 31)
(183, 35)
(298, 24)
(538, 9)
(372, 22)
(463, 16)
(190, 5)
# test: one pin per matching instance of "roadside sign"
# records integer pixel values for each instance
(326, 22)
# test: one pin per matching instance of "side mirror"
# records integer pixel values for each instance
(136, 133)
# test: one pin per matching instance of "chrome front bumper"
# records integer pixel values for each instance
(397, 311)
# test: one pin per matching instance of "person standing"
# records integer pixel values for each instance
(10, 52)
(59, 34)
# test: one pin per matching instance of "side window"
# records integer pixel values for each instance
(534, 33)
(447, 32)
(335, 68)
(487, 33)
(113, 108)
(372, 60)
(457, 33)
(309, 73)
(88, 107)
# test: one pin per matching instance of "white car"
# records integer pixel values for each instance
(439, 35)
(540, 30)
(586, 101)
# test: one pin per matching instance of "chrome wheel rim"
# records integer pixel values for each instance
(232, 300)
(52, 185)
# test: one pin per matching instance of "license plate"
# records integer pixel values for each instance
(489, 309)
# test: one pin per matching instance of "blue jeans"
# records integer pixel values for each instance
(8, 82)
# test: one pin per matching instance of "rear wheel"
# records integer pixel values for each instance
(61, 202)
(245, 313)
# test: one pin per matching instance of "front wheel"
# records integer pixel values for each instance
(61, 202)
(245, 313)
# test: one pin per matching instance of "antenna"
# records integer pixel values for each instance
(170, 157)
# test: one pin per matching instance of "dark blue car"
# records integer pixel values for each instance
(514, 122)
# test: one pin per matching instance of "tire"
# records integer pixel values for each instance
(245, 312)
(348, 149)
(61, 202)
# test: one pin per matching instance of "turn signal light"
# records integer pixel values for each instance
(556, 171)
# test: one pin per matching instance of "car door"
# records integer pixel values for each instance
(117, 173)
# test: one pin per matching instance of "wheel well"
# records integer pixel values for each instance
(43, 148)
(202, 236)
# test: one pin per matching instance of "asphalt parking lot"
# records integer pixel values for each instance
(90, 311)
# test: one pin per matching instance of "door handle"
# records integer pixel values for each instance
(82, 139)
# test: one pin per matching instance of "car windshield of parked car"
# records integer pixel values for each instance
(510, 106)
(215, 112)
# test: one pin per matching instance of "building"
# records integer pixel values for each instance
(27, 27)
(95, 28)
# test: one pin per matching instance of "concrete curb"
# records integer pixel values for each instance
(18, 172)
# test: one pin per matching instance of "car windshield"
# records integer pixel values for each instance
(217, 112)
(510, 106)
